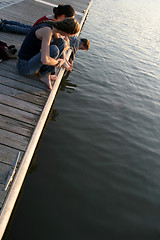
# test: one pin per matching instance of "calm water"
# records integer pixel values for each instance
(96, 172)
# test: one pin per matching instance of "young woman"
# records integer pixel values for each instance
(36, 55)
(59, 13)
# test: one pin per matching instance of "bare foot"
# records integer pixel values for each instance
(46, 80)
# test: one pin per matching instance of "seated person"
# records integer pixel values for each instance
(59, 13)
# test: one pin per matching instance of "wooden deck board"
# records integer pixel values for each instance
(23, 87)
(20, 104)
(8, 154)
(13, 140)
(22, 95)
(40, 87)
(3, 193)
(16, 126)
(24, 101)
(4, 169)
(18, 114)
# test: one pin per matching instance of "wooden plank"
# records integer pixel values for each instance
(22, 95)
(5, 37)
(18, 114)
(11, 63)
(4, 170)
(7, 3)
(13, 140)
(34, 81)
(8, 154)
(22, 86)
(20, 104)
(2, 195)
(15, 126)
(23, 11)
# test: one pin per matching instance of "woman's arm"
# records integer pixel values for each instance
(45, 34)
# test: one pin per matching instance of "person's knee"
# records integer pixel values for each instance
(54, 51)
(60, 43)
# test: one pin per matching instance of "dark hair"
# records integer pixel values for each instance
(86, 43)
(68, 25)
(67, 10)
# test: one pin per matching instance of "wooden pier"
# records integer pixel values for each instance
(25, 102)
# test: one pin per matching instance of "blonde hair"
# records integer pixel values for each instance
(68, 25)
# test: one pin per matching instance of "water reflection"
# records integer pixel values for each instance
(66, 85)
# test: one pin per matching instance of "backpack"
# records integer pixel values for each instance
(7, 52)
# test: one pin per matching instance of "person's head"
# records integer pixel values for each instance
(63, 11)
(66, 27)
(84, 44)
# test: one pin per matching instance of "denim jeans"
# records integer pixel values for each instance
(14, 27)
(29, 67)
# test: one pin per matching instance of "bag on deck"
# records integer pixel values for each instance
(7, 52)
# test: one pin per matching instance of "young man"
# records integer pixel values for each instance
(78, 44)
(75, 44)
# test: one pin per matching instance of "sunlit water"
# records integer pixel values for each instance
(96, 172)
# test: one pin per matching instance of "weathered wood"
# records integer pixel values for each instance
(20, 104)
(18, 114)
(22, 86)
(4, 169)
(2, 195)
(34, 81)
(12, 172)
(16, 126)
(9, 38)
(8, 154)
(13, 140)
(22, 95)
